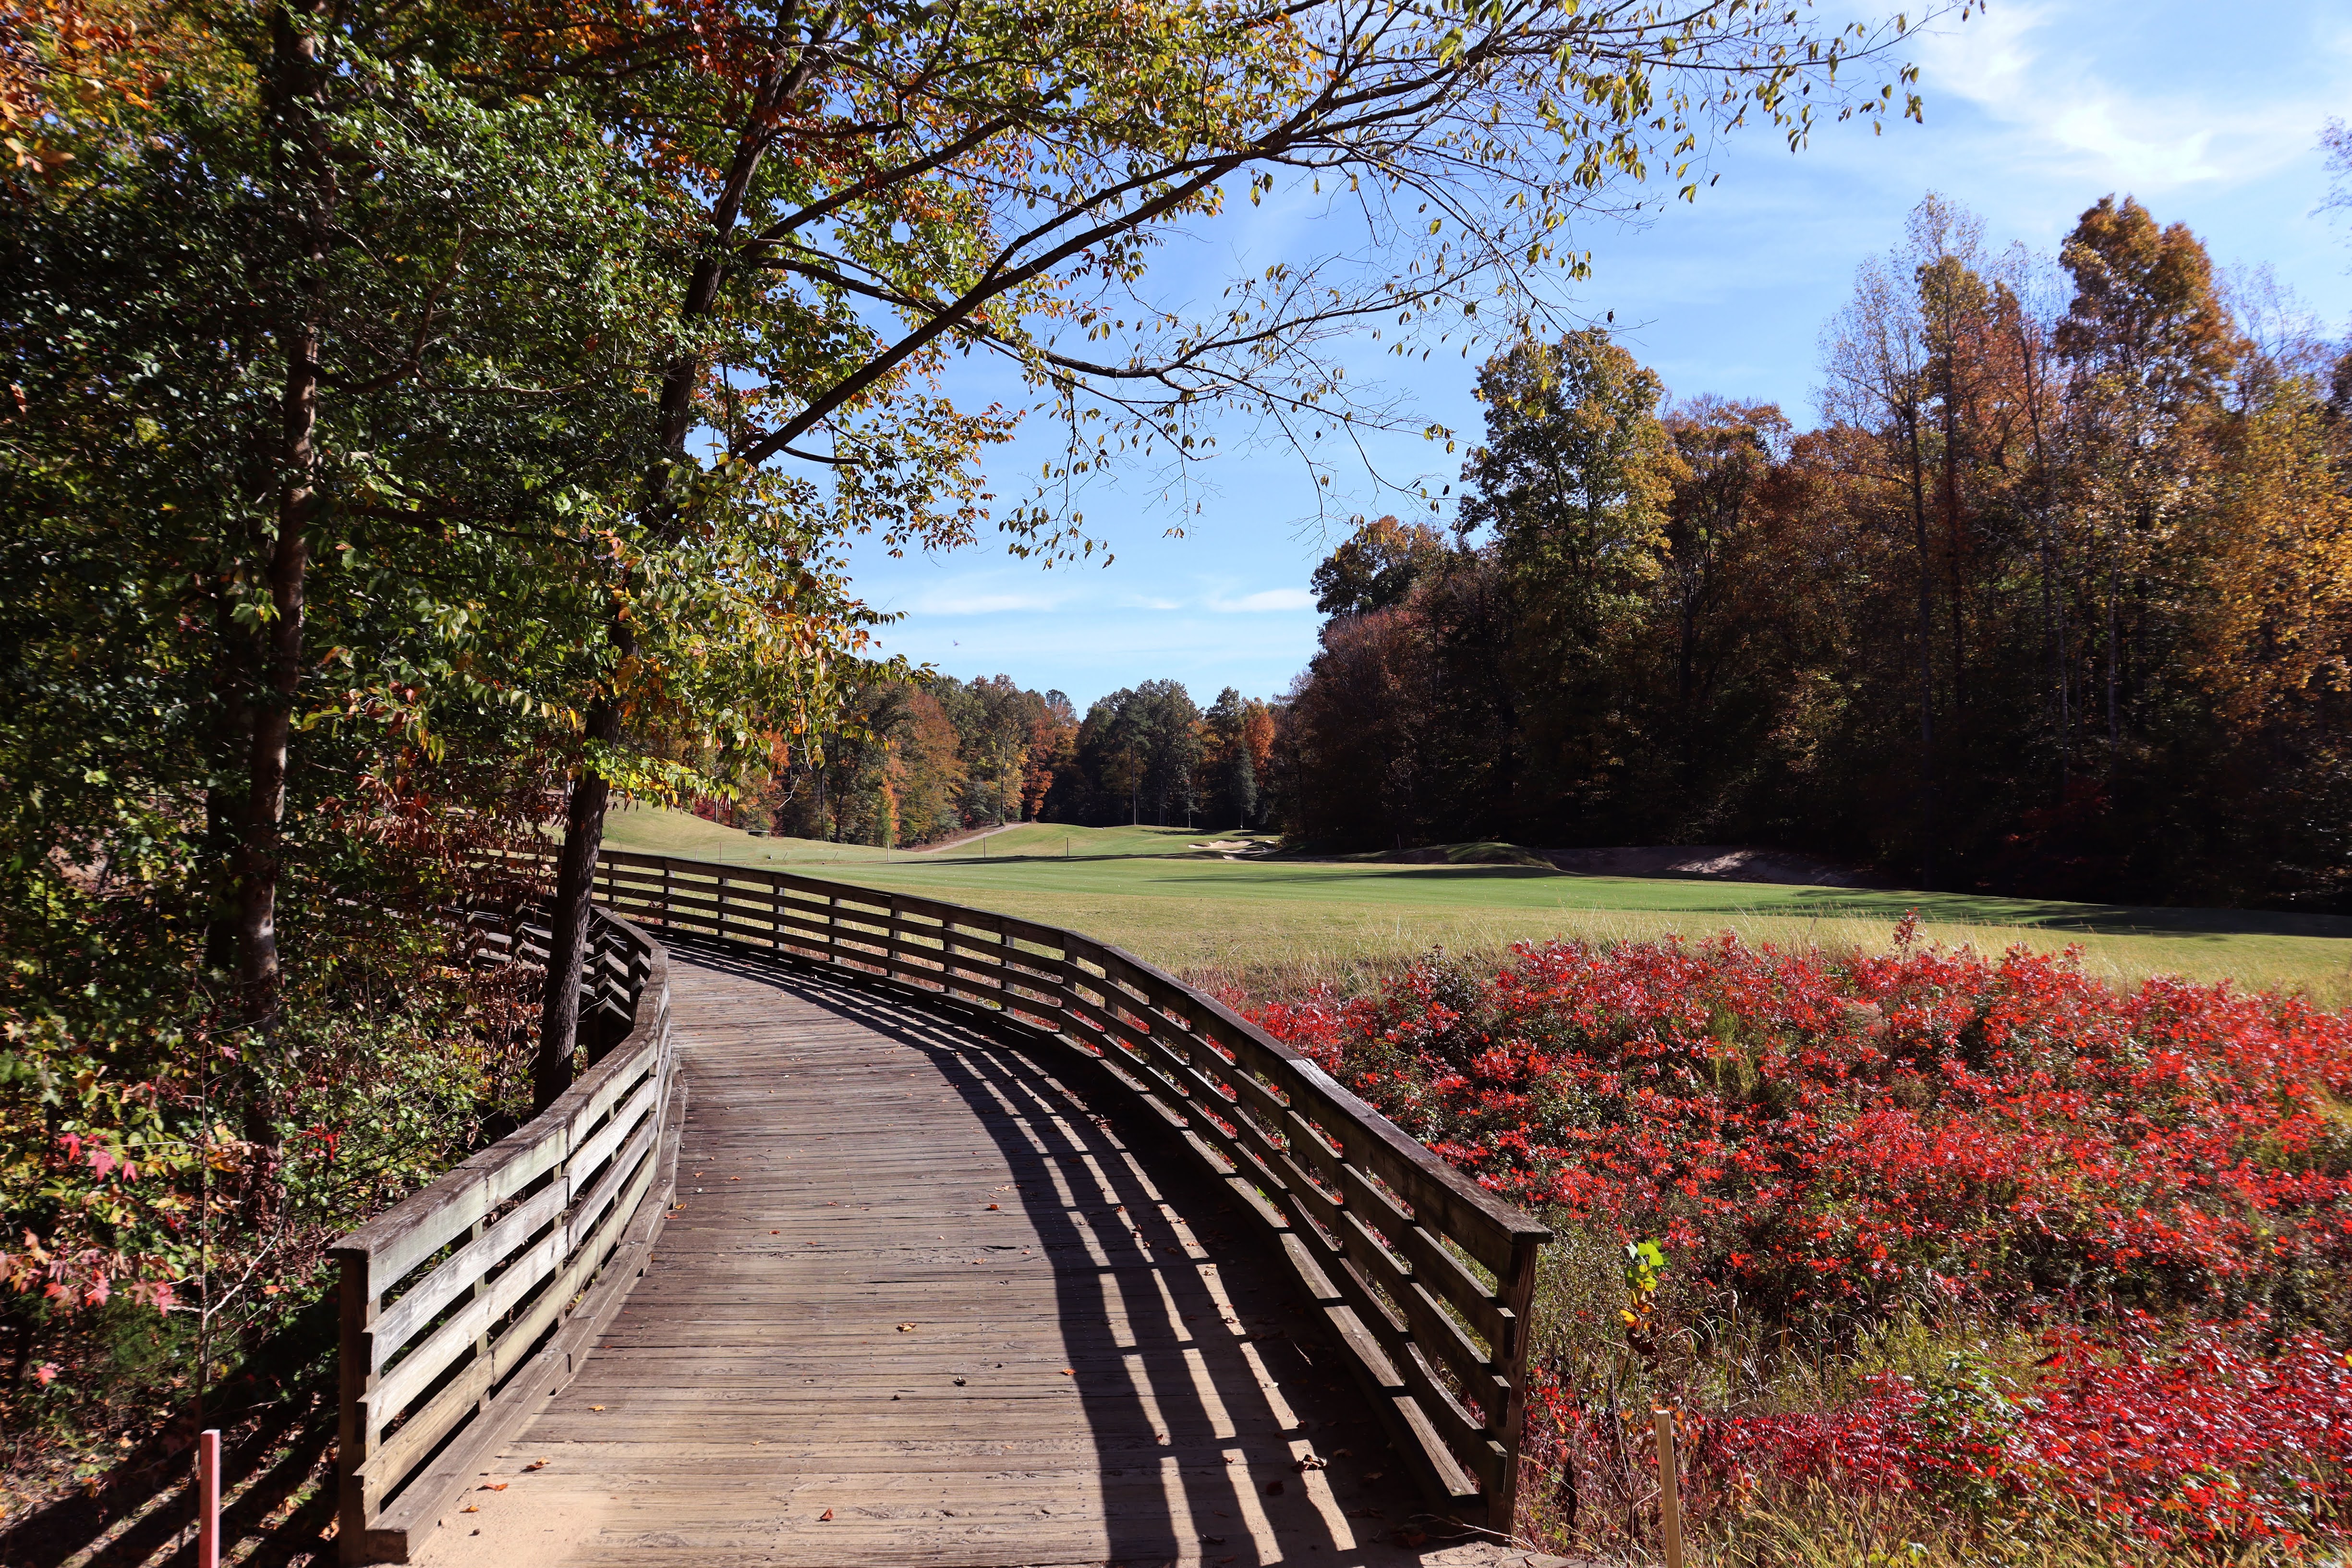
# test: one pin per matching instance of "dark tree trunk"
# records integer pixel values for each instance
(1926, 655)
(307, 198)
(2115, 679)
(1954, 553)
(575, 880)
(583, 828)
(259, 868)
(2053, 598)
(224, 790)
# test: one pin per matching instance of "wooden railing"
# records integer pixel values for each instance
(466, 1305)
(1424, 1275)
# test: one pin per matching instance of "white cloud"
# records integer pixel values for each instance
(1267, 599)
(954, 602)
(2013, 63)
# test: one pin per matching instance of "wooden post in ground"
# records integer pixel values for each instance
(1670, 1502)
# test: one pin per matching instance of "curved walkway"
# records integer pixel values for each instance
(919, 1305)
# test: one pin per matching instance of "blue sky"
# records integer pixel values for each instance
(2209, 114)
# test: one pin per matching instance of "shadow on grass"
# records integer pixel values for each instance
(1741, 898)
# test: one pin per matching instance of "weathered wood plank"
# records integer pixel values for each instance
(846, 1147)
(526, 1269)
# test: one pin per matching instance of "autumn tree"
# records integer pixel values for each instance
(1235, 733)
(1727, 450)
(1376, 567)
(1572, 484)
(1900, 612)
(1049, 768)
(2151, 348)
(879, 190)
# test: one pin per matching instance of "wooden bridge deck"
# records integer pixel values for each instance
(918, 1304)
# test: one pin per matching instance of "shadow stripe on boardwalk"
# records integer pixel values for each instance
(1096, 1371)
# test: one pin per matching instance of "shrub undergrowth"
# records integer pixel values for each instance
(1966, 1258)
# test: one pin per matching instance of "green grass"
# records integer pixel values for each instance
(1275, 923)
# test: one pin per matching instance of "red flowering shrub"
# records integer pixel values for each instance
(2196, 1440)
(1835, 1139)
(1929, 1124)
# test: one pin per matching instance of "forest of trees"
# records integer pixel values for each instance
(2058, 600)
(914, 761)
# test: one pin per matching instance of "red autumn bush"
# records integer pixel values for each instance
(1833, 1140)
(1841, 1136)
(2193, 1440)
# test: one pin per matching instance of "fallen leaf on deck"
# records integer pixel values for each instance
(471, 1507)
(595, 1407)
(1273, 1489)
(534, 1465)
(1310, 1463)
(1409, 1537)
(494, 1487)
(906, 1328)
(1070, 1372)
(826, 1515)
(992, 1206)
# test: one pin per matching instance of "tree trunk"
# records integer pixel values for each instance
(2115, 717)
(306, 194)
(273, 719)
(575, 886)
(1926, 655)
(1954, 553)
(225, 793)
(2053, 598)
(583, 828)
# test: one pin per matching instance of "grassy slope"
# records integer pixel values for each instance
(1267, 922)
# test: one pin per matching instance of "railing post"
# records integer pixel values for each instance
(719, 916)
(354, 1432)
(1670, 1502)
(775, 912)
(1518, 1289)
(665, 881)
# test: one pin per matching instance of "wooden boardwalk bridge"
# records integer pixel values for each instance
(888, 1232)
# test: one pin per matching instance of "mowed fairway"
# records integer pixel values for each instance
(1262, 924)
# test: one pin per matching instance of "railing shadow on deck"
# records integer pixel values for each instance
(1421, 1274)
(469, 1304)
(1114, 1159)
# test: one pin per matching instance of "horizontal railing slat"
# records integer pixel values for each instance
(525, 1225)
(1372, 1217)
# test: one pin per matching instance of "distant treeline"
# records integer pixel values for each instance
(2059, 601)
(918, 761)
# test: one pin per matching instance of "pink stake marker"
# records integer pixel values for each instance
(208, 1498)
